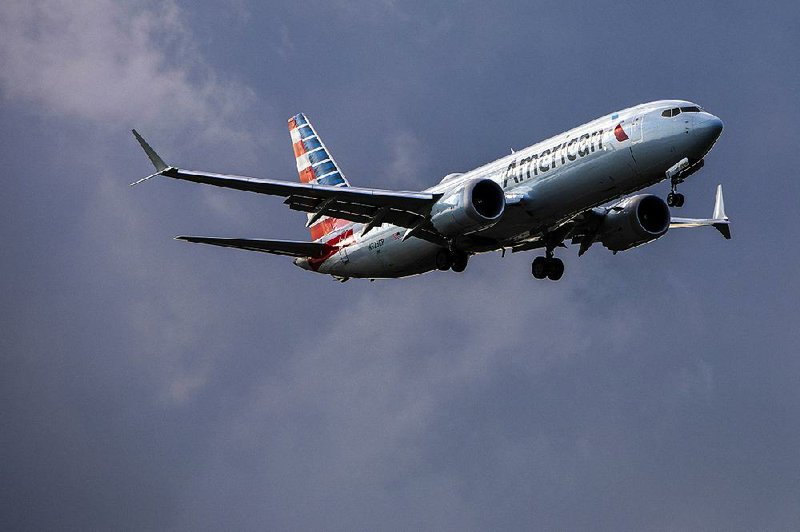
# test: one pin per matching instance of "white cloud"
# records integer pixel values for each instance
(407, 160)
(380, 374)
(113, 64)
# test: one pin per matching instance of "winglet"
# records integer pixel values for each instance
(142, 180)
(719, 205)
(719, 220)
(722, 224)
(157, 161)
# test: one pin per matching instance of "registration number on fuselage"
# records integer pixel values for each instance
(375, 245)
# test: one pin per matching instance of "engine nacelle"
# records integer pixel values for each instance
(634, 221)
(477, 205)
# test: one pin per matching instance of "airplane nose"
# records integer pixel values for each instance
(714, 125)
(708, 129)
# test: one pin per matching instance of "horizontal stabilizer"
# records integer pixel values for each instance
(277, 247)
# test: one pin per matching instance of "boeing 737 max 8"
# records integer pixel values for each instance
(537, 198)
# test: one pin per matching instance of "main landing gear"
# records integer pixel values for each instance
(451, 260)
(549, 267)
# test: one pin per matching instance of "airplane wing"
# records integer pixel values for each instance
(276, 247)
(583, 228)
(356, 204)
(718, 220)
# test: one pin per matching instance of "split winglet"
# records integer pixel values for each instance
(719, 220)
(157, 161)
(722, 222)
(719, 205)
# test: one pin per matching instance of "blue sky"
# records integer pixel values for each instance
(150, 384)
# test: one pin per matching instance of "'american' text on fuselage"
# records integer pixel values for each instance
(571, 150)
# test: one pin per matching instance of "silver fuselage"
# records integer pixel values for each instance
(545, 185)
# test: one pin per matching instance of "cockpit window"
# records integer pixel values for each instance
(675, 111)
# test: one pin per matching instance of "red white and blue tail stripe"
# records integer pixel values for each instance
(315, 165)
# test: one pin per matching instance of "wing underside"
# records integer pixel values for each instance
(290, 248)
(586, 227)
(410, 210)
(355, 204)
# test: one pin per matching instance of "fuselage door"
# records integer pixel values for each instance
(635, 129)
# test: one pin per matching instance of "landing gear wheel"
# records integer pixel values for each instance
(460, 260)
(675, 199)
(443, 260)
(555, 269)
(547, 267)
(539, 267)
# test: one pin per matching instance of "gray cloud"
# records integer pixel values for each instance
(109, 62)
(148, 384)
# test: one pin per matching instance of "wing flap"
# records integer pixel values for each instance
(404, 209)
(355, 204)
(290, 248)
(355, 211)
(411, 201)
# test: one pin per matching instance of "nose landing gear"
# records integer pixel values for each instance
(675, 198)
(677, 174)
(676, 177)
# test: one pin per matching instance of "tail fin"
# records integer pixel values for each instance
(316, 165)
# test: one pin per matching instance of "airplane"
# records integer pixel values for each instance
(541, 197)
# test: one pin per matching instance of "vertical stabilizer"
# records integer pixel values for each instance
(315, 165)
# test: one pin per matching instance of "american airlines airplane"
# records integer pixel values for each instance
(540, 197)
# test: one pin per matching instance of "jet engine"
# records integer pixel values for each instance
(477, 205)
(634, 221)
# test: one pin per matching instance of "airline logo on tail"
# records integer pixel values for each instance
(314, 162)
(315, 165)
